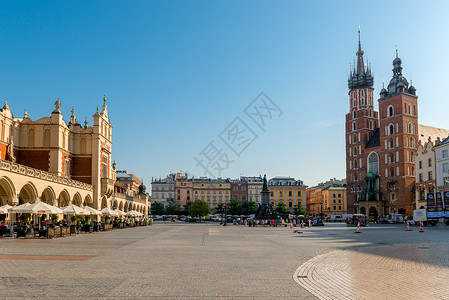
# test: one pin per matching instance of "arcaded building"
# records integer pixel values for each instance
(60, 163)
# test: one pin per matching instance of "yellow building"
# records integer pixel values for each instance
(327, 198)
(334, 199)
(287, 190)
(212, 191)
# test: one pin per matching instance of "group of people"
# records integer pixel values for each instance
(354, 220)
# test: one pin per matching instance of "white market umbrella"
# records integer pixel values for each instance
(93, 211)
(110, 212)
(5, 209)
(75, 210)
(20, 208)
(42, 208)
(119, 212)
(132, 213)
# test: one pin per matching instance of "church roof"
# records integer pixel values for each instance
(375, 140)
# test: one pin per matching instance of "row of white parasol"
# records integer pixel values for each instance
(44, 208)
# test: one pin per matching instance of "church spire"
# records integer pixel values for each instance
(360, 64)
(360, 76)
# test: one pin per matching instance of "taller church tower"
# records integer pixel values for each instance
(361, 125)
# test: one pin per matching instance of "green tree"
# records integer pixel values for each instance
(186, 208)
(220, 208)
(249, 207)
(199, 209)
(235, 208)
(281, 208)
(157, 208)
(173, 208)
(298, 209)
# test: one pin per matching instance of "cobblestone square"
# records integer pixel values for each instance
(189, 261)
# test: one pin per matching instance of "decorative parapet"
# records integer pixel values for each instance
(35, 173)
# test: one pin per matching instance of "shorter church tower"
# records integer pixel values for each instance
(398, 108)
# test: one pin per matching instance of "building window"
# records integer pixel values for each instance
(290, 204)
(430, 162)
(289, 193)
(373, 163)
(445, 167)
(430, 175)
(445, 153)
(179, 191)
(420, 164)
(299, 193)
(105, 167)
(47, 137)
(31, 137)
(339, 208)
(390, 111)
(354, 126)
(420, 177)
(354, 114)
(391, 127)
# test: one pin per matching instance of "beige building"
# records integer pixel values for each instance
(425, 173)
(57, 162)
(287, 190)
(213, 191)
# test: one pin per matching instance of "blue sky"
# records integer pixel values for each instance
(176, 73)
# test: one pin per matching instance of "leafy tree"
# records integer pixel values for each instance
(220, 208)
(249, 207)
(298, 209)
(173, 208)
(186, 208)
(199, 208)
(157, 208)
(281, 208)
(235, 208)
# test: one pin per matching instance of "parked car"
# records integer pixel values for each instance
(371, 219)
(317, 222)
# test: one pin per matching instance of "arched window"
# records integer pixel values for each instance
(391, 129)
(354, 138)
(354, 127)
(355, 177)
(355, 164)
(390, 111)
(355, 151)
(47, 137)
(370, 124)
(370, 112)
(31, 137)
(354, 115)
(362, 97)
(391, 144)
(409, 127)
(409, 109)
(373, 163)
(392, 172)
(354, 101)
(391, 158)
(83, 146)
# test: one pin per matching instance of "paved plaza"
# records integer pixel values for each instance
(189, 261)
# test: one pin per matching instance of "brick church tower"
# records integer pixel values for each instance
(398, 107)
(380, 147)
(361, 125)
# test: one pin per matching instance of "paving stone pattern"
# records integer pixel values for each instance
(209, 261)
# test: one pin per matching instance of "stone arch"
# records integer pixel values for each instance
(7, 191)
(130, 208)
(134, 207)
(88, 200)
(114, 204)
(63, 199)
(373, 212)
(363, 210)
(48, 196)
(104, 203)
(77, 200)
(28, 193)
(120, 206)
